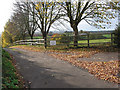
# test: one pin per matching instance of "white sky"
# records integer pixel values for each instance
(5, 12)
(6, 9)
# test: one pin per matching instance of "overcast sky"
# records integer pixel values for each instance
(6, 10)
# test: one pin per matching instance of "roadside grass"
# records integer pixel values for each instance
(10, 77)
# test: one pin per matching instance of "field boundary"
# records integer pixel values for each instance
(68, 42)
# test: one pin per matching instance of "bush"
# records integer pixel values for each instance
(117, 36)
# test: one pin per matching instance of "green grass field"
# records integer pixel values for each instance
(107, 35)
(38, 37)
(95, 41)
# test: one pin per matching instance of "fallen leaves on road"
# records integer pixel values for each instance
(103, 70)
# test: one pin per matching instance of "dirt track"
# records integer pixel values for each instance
(47, 72)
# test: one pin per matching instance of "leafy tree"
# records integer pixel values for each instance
(9, 35)
(5, 39)
(27, 9)
(95, 13)
(12, 31)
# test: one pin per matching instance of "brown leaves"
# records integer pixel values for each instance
(102, 70)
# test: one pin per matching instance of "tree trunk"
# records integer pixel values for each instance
(31, 36)
(45, 39)
(76, 35)
(76, 39)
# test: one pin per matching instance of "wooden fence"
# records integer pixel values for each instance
(30, 41)
(53, 41)
(85, 41)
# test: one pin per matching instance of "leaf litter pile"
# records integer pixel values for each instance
(102, 70)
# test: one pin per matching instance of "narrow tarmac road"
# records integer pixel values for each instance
(44, 71)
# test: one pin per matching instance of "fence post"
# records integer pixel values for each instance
(88, 39)
(111, 39)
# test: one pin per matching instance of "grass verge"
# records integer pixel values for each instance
(10, 77)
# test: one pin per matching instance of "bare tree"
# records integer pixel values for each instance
(32, 21)
(27, 14)
(42, 14)
(47, 14)
(94, 13)
(20, 23)
(21, 20)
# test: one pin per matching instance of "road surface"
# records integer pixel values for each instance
(44, 71)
